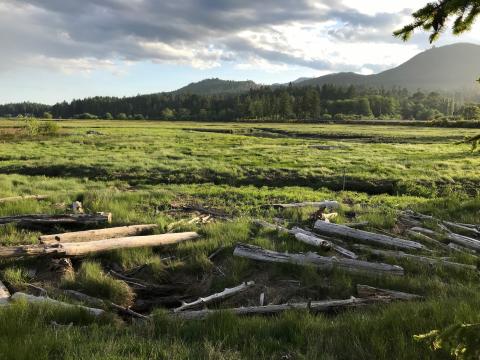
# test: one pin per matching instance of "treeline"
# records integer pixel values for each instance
(263, 104)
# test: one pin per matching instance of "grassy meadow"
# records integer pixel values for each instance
(140, 170)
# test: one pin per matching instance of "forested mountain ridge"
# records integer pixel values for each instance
(217, 86)
(429, 70)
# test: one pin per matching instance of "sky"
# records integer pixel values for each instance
(55, 50)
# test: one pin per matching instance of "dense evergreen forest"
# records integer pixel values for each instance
(289, 103)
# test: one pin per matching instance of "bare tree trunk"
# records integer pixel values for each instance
(84, 248)
(321, 262)
(99, 234)
(314, 306)
(318, 204)
(365, 236)
(228, 292)
(365, 291)
(422, 259)
(46, 300)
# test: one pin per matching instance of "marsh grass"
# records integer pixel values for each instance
(92, 280)
(140, 168)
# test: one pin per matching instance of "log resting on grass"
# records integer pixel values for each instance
(317, 204)
(84, 248)
(422, 259)
(99, 234)
(321, 262)
(46, 300)
(470, 229)
(228, 292)
(121, 310)
(313, 239)
(426, 238)
(464, 241)
(23, 197)
(343, 231)
(365, 291)
(460, 248)
(313, 306)
(52, 220)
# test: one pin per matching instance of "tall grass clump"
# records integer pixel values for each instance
(91, 280)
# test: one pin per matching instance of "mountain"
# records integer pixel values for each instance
(449, 68)
(217, 86)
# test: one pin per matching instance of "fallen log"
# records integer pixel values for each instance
(99, 234)
(313, 239)
(357, 225)
(23, 197)
(365, 291)
(313, 306)
(422, 259)
(461, 248)
(46, 300)
(464, 241)
(427, 239)
(51, 220)
(228, 292)
(121, 310)
(84, 248)
(317, 204)
(321, 262)
(269, 226)
(4, 294)
(365, 236)
(472, 230)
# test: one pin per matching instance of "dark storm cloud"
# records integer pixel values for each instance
(189, 29)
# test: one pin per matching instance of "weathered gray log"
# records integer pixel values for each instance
(470, 229)
(321, 262)
(98, 234)
(464, 241)
(46, 300)
(228, 292)
(317, 204)
(461, 248)
(365, 291)
(23, 197)
(103, 303)
(4, 294)
(426, 238)
(269, 226)
(365, 236)
(313, 306)
(51, 220)
(313, 239)
(422, 259)
(84, 248)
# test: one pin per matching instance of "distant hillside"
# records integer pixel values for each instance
(449, 68)
(217, 86)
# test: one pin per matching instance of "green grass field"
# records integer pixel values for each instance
(137, 170)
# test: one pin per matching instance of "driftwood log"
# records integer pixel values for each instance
(84, 248)
(203, 301)
(19, 296)
(314, 239)
(313, 306)
(52, 220)
(23, 197)
(461, 248)
(99, 234)
(365, 291)
(464, 241)
(343, 231)
(422, 259)
(93, 301)
(317, 204)
(321, 262)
